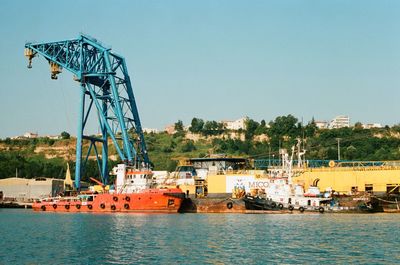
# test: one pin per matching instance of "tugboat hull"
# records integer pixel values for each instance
(151, 200)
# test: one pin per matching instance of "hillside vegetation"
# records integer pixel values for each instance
(44, 157)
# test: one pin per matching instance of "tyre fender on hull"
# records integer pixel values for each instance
(321, 209)
(301, 209)
(280, 206)
(291, 208)
(43, 208)
(229, 205)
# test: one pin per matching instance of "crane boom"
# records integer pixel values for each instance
(104, 86)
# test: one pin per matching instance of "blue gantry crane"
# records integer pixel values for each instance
(105, 87)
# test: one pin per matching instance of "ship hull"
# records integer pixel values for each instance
(152, 200)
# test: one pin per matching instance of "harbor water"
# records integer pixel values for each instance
(28, 237)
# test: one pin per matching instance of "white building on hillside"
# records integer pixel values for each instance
(236, 125)
(31, 135)
(340, 121)
(321, 124)
(372, 125)
(150, 130)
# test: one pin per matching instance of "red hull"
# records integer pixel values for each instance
(151, 200)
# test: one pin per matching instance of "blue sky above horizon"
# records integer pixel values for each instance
(216, 60)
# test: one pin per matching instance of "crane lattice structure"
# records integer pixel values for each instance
(104, 84)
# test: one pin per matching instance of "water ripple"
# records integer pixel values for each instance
(52, 238)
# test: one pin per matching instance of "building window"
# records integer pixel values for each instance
(392, 189)
(369, 188)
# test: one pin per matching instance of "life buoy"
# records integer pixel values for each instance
(301, 209)
(113, 207)
(332, 163)
(321, 209)
(78, 206)
(229, 205)
(54, 206)
(66, 206)
(291, 208)
(102, 206)
(90, 207)
(43, 208)
(127, 198)
(126, 206)
(115, 198)
(280, 206)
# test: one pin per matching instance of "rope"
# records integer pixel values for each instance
(379, 199)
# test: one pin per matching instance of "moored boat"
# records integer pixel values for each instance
(133, 193)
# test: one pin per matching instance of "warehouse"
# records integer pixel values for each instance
(21, 189)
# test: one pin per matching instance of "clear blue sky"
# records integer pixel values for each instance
(214, 60)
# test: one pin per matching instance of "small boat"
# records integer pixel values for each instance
(133, 193)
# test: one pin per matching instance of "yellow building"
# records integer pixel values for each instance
(377, 179)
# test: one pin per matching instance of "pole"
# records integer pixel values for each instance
(338, 146)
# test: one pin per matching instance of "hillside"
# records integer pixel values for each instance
(45, 157)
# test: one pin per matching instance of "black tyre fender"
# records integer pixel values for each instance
(66, 206)
(291, 208)
(126, 206)
(113, 207)
(90, 206)
(115, 198)
(43, 208)
(301, 209)
(78, 206)
(273, 204)
(127, 198)
(229, 205)
(54, 206)
(280, 206)
(102, 206)
(321, 209)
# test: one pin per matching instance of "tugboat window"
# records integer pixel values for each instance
(369, 188)
(392, 189)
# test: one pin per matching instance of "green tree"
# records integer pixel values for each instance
(65, 135)
(179, 126)
(196, 125)
(284, 126)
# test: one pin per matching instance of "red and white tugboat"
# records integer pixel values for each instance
(133, 193)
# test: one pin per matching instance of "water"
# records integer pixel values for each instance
(27, 237)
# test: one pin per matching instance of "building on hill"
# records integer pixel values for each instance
(150, 130)
(236, 125)
(31, 135)
(170, 129)
(340, 121)
(321, 124)
(372, 125)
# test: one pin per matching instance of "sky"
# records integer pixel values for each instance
(215, 60)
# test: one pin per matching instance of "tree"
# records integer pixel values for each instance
(251, 127)
(196, 125)
(65, 135)
(310, 129)
(284, 126)
(179, 126)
